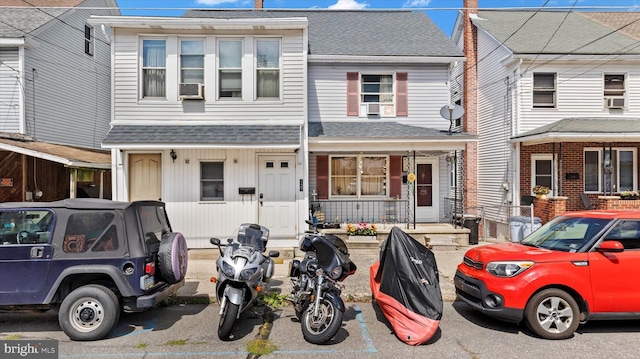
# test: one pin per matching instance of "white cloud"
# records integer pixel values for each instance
(348, 5)
(215, 2)
(416, 3)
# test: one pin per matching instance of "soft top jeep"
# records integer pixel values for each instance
(89, 259)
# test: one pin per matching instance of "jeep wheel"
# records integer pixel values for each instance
(552, 314)
(89, 312)
(173, 257)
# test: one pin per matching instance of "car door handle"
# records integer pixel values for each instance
(261, 198)
(37, 252)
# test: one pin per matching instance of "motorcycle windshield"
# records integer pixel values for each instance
(251, 238)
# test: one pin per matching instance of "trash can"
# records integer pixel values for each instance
(527, 228)
(471, 222)
(520, 227)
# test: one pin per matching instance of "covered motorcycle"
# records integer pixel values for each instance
(406, 287)
(243, 271)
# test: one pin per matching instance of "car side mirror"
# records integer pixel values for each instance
(274, 254)
(215, 241)
(610, 247)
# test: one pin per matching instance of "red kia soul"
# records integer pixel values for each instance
(580, 266)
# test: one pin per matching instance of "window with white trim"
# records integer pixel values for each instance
(544, 90)
(542, 171)
(614, 90)
(154, 68)
(230, 68)
(211, 181)
(192, 61)
(612, 170)
(377, 95)
(267, 68)
(359, 175)
(88, 40)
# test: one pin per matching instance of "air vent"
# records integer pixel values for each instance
(614, 102)
(191, 91)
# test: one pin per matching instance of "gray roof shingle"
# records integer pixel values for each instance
(587, 126)
(202, 135)
(527, 32)
(18, 22)
(359, 32)
(383, 130)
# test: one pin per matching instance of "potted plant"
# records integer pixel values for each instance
(629, 195)
(362, 231)
(541, 191)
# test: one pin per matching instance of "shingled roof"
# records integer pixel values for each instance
(559, 32)
(359, 32)
(18, 18)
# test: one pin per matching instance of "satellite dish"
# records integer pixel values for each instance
(451, 112)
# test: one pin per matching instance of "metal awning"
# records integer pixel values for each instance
(196, 136)
(608, 129)
(69, 156)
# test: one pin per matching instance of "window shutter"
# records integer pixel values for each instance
(395, 176)
(353, 105)
(322, 176)
(402, 99)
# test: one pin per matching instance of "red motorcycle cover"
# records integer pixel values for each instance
(406, 287)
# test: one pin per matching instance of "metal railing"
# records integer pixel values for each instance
(370, 211)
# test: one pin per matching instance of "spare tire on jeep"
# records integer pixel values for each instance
(173, 257)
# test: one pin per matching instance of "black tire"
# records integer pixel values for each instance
(321, 328)
(552, 314)
(227, 320)
(173, 257)
(89, 312)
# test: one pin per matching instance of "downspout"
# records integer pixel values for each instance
(106, 35)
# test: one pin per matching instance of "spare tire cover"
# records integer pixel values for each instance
(173, 257)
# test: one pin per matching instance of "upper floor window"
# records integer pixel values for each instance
(359, 175)
(544, 90)
(212, 181)
(268, 68)
(376, 94)
(614, 90)
(88, 40)
(230, 68)
(192, 61)
(610, 170)
(154, 58)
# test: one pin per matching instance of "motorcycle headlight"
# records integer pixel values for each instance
(248, 273)
(335, 273)
(508, 269)
(228, 270)
(294, 268)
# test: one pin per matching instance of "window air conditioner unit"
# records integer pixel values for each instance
(615, 102)
(191, 91)
(373, 109)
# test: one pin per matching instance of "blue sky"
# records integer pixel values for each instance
(443, 12)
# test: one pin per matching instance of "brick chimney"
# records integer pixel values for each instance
(470, 103)
(258, 4)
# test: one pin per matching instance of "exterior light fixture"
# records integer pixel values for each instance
(173, 155)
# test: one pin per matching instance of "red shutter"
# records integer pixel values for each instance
(395, 175)
(402, 98)
(353, 105)
(322, 176)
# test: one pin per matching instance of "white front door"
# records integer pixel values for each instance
(277, 195)
(427, 202)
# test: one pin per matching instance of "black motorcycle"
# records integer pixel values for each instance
(316, 284)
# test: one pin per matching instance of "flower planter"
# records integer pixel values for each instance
(541, 196)
(629, 197)
(362, 238)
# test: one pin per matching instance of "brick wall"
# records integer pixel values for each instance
(549, 208)
(572, 162)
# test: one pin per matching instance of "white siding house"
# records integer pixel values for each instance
(54, 91)
(546, 115)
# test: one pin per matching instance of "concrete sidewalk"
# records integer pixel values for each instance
(202, 267)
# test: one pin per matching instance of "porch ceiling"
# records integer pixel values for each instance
(205, 136)
(67, 155)
(371, 136)
(607, 129)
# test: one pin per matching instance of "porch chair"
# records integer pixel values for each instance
(526, 200)
(586, 202)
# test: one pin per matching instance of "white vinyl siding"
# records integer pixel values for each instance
(290, 108)
(10, 94)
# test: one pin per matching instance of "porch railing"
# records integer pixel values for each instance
(370, 211)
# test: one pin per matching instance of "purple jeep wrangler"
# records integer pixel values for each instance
(89, 259)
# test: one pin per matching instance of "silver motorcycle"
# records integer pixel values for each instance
(243, 271)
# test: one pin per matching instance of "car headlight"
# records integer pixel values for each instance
(508, 269)
(248, 273)
(228, 270)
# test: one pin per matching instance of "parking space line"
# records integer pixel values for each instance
(365, 332)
